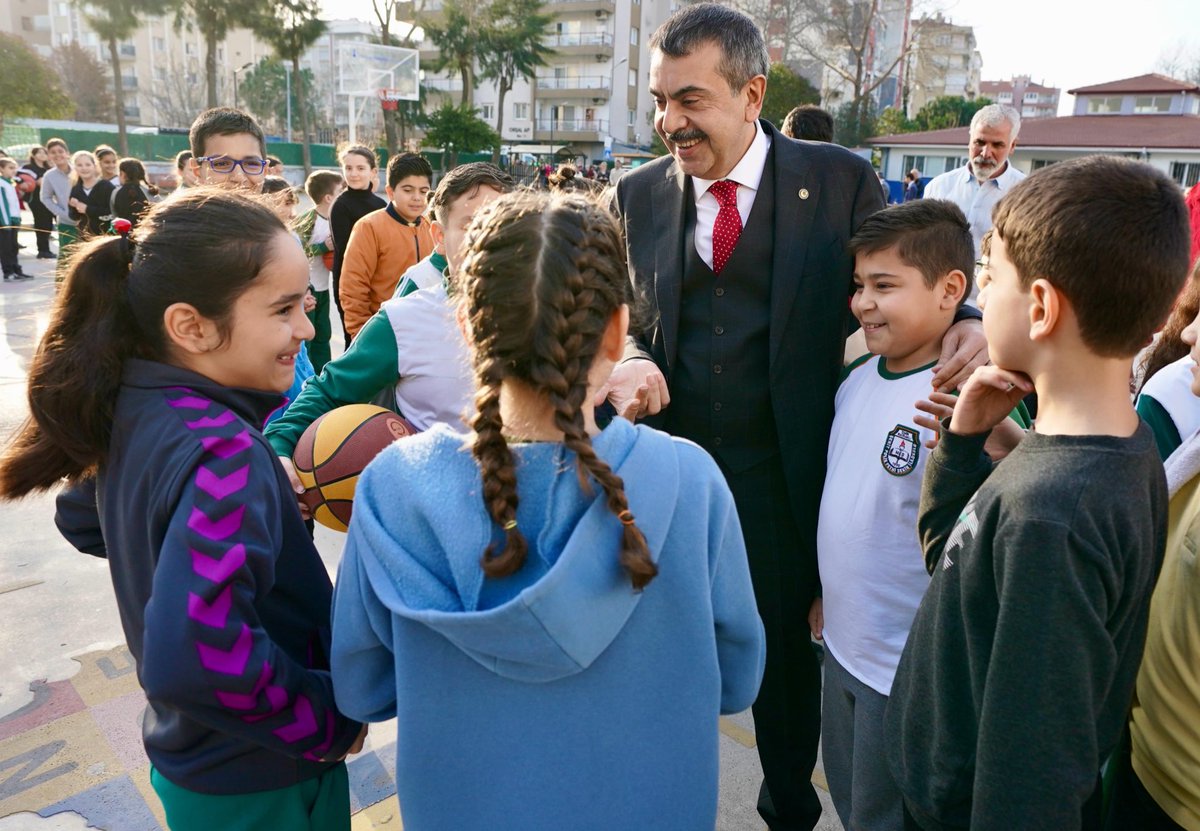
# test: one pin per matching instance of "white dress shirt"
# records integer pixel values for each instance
(747, 173)
(975, 198)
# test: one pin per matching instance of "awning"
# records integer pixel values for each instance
(538, 149)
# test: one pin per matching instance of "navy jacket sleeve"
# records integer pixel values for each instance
(78, 518)
(206, 652)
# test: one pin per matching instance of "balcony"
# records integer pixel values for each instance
(599, 7)
(128, 50)
(577, 129)
(129, 82)
(443, 84)
(134, 113)
(569, 44)
(584, 86)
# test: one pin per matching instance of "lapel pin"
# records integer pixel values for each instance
(803, 193)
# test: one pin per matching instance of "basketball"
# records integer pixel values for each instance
(332, 453)
(25, 182)
(327, 258)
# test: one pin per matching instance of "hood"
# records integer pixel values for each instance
(422, 559)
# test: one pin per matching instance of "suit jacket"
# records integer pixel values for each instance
(823, 192)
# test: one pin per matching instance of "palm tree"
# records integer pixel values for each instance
(512, 48)
(458, 39)
(214, 19)
(291, 27)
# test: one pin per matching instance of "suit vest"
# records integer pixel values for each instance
(720, 383)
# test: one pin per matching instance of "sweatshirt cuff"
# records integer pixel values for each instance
(961, 452)
(967, 312)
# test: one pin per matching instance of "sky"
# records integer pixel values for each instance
(1063, 43)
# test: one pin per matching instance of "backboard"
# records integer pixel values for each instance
(363, 69)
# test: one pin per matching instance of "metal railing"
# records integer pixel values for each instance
(559, 41)
(572, 125)
(574, 82)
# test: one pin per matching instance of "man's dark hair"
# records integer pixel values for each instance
(466, 179)
(321, 183)
(56, 142)
(931, 235)
(223, 121)
(1111, 234)
(809, 123)
(744, 54)
(402, 166)
(182, 158)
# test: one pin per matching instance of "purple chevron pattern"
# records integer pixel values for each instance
(218, 571)
(221, 487)
(318, 752)
(277, 697)
(207, 422)
(190, 402)
(247, 701)
(214, 614)
(227, 447)
(304, 725)
(228, 661)
(216, 529)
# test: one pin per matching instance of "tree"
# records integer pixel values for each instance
(264, 92)
(30, 87)
(385, 12)
(213, 19)
(785, 91)
(893, 122)
(458, 37)
(81, 73)
(1181, 62)
(948, 111)
(512, 48)
(113, 21)
(178, 97)
(458, 130)
(291, 27)
(853, 124)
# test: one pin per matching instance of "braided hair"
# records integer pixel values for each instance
(541, 277)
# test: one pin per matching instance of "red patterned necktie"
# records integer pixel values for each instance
(728, 226)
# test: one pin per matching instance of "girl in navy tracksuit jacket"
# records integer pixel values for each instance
(162, 359)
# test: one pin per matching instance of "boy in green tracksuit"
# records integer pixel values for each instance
(322, 187)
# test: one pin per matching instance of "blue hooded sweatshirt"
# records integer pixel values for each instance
(557, 697)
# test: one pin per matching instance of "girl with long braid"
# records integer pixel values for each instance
(555, 614)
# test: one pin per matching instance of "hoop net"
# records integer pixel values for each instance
(389, 99)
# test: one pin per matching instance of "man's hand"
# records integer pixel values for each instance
(816, 619)
(987, 398)
(290, 470)
(636, 388)
(964, 348)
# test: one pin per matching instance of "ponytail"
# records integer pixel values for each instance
(75, 374)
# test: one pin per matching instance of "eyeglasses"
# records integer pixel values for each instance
(225, 165)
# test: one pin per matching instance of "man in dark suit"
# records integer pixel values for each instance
(738, 239)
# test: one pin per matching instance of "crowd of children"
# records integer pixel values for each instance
(524, 573)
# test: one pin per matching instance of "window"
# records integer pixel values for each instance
(1031, 97)
(1101, 105)
(160, 73)
(633, 77)
(64, 38)
(521, 110)
(914, 161)
(633, 36)
(1152, 104)
(62, 9)
(487, 111)
(1186, 174)
(1038, 164)
(1005, 97)
(632, 118)
(190, 49)
(955, 162)
(27, 24)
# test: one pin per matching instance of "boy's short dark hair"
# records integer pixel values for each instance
(931, 235)
(182, 158)
(404, 165)
(223, 121)
(272, 161)
(321, 183)
(1111, 234)
(809, 123)
(57, 142)
(465, 179)
(6, 161)
(277, 184)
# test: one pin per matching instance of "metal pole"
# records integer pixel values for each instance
(287, 71)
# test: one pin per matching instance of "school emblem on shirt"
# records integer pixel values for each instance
(900, 451)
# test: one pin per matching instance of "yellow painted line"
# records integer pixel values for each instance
(740, 735)
(24, 584)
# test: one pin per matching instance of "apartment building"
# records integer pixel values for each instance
(944, 60)
(1032, 100)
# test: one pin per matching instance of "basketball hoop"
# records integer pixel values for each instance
(389, 99)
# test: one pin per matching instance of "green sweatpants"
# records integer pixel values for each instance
(313, 805)
(318, 347)
(68, 235)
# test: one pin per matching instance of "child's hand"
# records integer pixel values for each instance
(354, 748)
(987, 398)
(939, 405)
(290, 470)
(816, 619)
(310, 302)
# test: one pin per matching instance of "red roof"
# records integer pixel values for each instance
(1101, 131)
(1141, 83)
(1009, 86)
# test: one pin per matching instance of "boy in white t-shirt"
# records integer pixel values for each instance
(912, 269)
(322, 187)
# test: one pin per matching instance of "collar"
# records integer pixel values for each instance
(1004, 181)
(748, 171)
(438, 261)
(395, 214)
(253, 406)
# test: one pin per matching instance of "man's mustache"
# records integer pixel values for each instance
(681, 136)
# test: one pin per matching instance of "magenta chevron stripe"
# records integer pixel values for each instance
(216, 529)
(224, 448)
(304, 725)
(214, 615)
(277, 697)
(220, 570)
(190, 402)
(219, 487)
(316, 754)
(207, 423)
(247, 701)
(231, 661)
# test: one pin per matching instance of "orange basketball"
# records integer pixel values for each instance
(333, 451)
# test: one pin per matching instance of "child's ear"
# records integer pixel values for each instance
(613, 344)
(954, 287)
(464, 322)
(189, 330)
(439, 236)
(388, 190)
(1047, 308)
